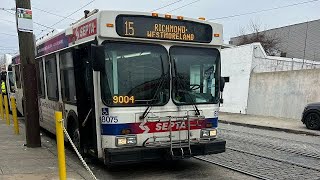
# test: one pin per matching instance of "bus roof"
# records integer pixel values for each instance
(104, 24)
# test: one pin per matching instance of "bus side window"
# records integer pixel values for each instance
(41, 90)
(68, 88)
(51, 77)
(18, 75)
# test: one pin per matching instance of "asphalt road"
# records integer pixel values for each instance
(256, 153)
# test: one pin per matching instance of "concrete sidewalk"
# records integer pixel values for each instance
(265, 122)
(17, 162)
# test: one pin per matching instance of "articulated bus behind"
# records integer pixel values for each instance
(134, 86)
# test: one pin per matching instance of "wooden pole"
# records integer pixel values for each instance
(29, 80)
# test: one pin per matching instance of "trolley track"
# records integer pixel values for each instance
(268, 142)
(267, 157)
(266, 136)
(260, 166)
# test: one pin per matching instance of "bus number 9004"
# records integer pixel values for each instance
(123, 99)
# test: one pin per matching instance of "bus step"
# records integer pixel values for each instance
(180, 153)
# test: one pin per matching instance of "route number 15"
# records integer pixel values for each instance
(129, 28)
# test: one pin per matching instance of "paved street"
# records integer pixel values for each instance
(184, 169)
(269, 154)
(260, 153)
(251, 154)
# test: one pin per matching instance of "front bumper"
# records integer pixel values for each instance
(143, 154)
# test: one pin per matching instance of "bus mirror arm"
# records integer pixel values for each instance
(222, 83)
(97, 57)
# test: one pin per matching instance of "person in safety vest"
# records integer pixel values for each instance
(3, 87)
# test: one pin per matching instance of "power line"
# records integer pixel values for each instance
(264, 10)
(8, 34)
(68, 16)
(15, 22)
(7, 20)
(184, 6)
(42, 25)
(8, 47)
(53, 13)
(7, 10)
(166, 5)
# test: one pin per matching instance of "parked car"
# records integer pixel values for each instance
(311, 116)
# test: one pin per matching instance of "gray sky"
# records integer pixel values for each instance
(201, 8)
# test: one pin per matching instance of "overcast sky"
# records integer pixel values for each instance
(201, 8)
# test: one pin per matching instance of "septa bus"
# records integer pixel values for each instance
(134, 86)
(7, 76)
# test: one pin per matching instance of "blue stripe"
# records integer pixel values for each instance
(115, 129)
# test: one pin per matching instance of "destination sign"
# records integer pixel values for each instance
(161, 28)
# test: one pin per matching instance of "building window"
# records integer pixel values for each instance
(18, 75)
(51, 78)
(68, 88)
(40, 79)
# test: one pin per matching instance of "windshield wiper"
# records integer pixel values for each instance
(162, 79)
(146, 112)
(181, 86)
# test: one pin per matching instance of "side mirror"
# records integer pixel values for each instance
(222, 83)
(97, 57)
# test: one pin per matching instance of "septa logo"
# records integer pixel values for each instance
(85, 30)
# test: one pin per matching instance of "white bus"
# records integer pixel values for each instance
(7, 75)
(18, 90)
(134, 86)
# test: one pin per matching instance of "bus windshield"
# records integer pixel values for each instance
(195, 75)
(135, 74)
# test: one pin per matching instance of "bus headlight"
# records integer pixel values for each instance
(208, 133)
(126, 140)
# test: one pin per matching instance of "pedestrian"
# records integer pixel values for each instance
(3, 85)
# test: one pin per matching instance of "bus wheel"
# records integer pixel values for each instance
(74, 133)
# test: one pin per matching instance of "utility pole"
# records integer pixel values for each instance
(29, 75)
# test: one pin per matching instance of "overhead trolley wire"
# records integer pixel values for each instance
(48, 12)
(264, 10)
(67, 16)
(15, 22)
(8, 34)
(170, 4)
(184, 6)
(7, 20)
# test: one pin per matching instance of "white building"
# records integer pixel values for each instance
(5, 61)
(238, 64)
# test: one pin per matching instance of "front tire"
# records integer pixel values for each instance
(74, 133)
(312, 121)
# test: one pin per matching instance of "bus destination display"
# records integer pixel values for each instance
(162, 28)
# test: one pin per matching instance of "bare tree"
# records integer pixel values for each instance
(268, 41)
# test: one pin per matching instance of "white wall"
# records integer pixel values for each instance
(283, 94)
(239, 62)
(236, 64)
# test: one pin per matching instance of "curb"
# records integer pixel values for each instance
(269, 128)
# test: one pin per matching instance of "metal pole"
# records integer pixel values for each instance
(5, 97)
(14, 115)
(60, 146)
(1, 107)
(29, 80)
